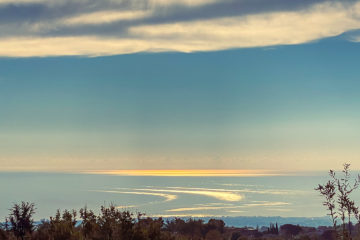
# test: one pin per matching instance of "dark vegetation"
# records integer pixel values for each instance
(114, 224)
(341, 208)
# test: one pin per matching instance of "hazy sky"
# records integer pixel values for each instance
(163, 84)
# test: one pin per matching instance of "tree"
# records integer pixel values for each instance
(273, 229)
(328, 192)
(345, 188)
(21, 219)
(62, 226)
(337, 193)
(88, 222)
(3, 232)
(216, 224)
(290, 229)
(114, 224)
(43, 230)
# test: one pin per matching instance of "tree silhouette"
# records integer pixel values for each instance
(290, 229)
(113, 224)
(328, 191)
(273, 229)
(88, 222)
(21, 219)
(337, 193)
(62, 226)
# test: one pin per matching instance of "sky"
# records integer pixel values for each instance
(163, 84)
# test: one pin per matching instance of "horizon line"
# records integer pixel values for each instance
(193, 172)
(180, 172)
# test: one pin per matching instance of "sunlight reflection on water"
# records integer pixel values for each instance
(167, 196)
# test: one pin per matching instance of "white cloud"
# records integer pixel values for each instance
(268, 29)
(102, 17)
(153, 3)
(256, 30)
(65, 46)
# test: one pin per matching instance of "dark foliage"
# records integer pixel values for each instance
(290, 229)
(20, 218)
(337, 193)
(273, 229)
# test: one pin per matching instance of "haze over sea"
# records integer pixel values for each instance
(279, 195)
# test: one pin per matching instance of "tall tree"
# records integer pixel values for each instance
(328, 191)
(21, 219)
(337, 193)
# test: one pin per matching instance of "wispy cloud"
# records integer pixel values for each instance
(168, 197)
(171, 194)
(267, 29)
(195, 209)
(92, 28)
(236, 211)
(227, 195)
(232, 202)
(233, 208)
(214, 204)
(103, 17)
(265, 203)
(248, 190)
(217, 194)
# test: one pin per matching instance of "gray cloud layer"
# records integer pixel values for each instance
(91, 27)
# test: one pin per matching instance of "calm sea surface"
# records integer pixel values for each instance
(287, 196)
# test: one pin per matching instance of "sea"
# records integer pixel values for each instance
(285, 196)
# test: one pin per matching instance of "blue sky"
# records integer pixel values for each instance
(234, 84)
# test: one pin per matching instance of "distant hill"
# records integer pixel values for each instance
(265, 221)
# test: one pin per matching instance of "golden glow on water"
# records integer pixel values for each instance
(189, 172)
